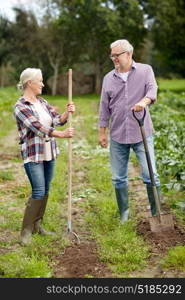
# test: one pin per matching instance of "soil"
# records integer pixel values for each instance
(81, 260)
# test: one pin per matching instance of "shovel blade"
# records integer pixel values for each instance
(161, 223)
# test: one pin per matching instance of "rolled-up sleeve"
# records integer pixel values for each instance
(104, 112)
(151, 85)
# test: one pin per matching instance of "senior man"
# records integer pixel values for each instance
(129, 86)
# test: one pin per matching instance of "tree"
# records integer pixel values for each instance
(25, 42)
(131, 23)
(5, 46)
(167, 25)
(98, 23)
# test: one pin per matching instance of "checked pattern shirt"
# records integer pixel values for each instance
(32, 133)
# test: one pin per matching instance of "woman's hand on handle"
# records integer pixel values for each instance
(67, 133)
(71, 107)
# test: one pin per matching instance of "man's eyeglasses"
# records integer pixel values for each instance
(113, 56)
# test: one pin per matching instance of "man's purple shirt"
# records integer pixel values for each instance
(117, 99)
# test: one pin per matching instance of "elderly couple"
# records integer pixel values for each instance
(129, 86)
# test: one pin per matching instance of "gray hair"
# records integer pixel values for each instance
(125, 45)
(26, 75)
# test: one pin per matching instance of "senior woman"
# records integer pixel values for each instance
(36, 120)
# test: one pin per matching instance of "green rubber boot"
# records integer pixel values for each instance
(122, 201)
(151, 198)
(37, 225)
(33, 206)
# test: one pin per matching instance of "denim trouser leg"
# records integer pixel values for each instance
(140, 153)
(40, 176)
(119, 156)
(48, 171)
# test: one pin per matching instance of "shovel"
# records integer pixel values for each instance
(73, 234)
(162, 221)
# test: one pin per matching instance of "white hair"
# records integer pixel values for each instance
(26, 75)
(125, 45)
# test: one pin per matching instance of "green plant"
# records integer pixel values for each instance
(17, 265)
(6, 175)
(175, 259)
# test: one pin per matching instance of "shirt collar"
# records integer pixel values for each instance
(24, 101)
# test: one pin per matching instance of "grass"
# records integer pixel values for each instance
(175, 259)
(176, 201)
(20, 265)
(118, 246)
(6, 175)
(8, 98)
(175, 85)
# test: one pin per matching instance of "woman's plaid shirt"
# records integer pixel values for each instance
(32, 133)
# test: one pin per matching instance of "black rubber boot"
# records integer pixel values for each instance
(37, 225)
(151, 198)
(33, 206)
(122, 201)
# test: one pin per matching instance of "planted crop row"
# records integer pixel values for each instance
(170, 140)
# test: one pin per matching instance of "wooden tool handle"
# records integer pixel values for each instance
(69, 152)
(70, 95)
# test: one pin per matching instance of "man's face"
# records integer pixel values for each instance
(121, 61)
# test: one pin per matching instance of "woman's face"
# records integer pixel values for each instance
(36, 85)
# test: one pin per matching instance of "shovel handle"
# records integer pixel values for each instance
(140, 121)
(149, 163)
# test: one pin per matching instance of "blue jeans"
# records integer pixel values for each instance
(40, 176)
(119, 157)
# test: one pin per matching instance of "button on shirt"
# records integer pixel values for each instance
(117, 98)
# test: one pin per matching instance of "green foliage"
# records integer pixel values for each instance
(5, 34)
(176, 201)
(119, 246)
(25, 51)
(172, 85)
(6, 175)
(175, 259)
(8, 98)
(166, 21)
(78, 34)
(169, 143)
(18, 265)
